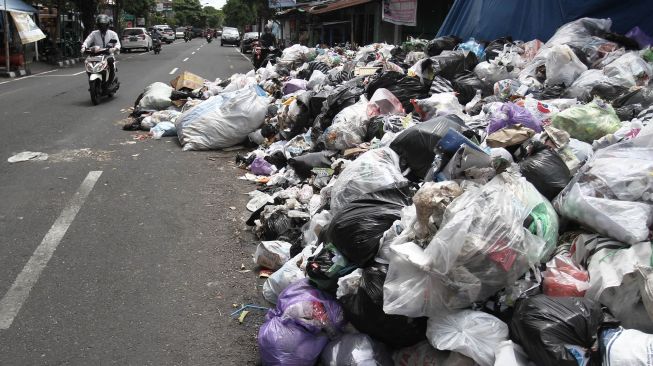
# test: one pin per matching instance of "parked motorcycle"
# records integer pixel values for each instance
(98, 68)
(262, 55)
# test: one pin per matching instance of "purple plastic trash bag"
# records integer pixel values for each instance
(639, 36)
(511, 114)
(261, 167)
(294, 85)
(297, 330)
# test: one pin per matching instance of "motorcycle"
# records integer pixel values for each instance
(156, 46)
(187, 37)
(262, 55)
(97, 69)
(209, 38)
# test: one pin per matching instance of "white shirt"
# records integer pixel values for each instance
(95, 39)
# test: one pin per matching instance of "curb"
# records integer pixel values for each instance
(8, 74)
(70, 62)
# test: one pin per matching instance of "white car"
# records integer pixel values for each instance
(133, 38)
(167, 33)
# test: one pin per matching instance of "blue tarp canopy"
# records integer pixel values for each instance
(530, 19)
(18, 6)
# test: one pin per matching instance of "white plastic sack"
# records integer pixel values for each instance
(383, 102)
(238, 81)
(156, 96)
(441, 104)
(626, 347)
(348, 128)
(582, 87)
(272, 254)
(374, 170)
(563, 66)
(423, 354)
(491, 72)
(291, 272)
(349, 284)
(511, 354)
(316, 80)
(474, 254)
(629, 70)
(222, 121)
(475, 334)
(612, 192)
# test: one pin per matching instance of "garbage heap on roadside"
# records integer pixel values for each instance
(444, 202)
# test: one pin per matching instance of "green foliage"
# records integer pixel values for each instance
(188, 12)
(214, 17)
(237, 13)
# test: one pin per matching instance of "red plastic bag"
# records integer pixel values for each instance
(564, 278)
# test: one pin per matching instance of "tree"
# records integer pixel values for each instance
(188, 12)
(214, 17)
(237, 13)
(261, 9)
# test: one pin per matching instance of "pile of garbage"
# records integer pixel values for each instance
(444, 202)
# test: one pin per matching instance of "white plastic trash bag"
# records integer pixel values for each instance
(629, 70)
(375, 170)
(272, 254)
(563, 66)
(475, 334)
(348, 128)
(156, 96)
(222, 121)
(583, 85)
(291, 272)
(511, 354)
(613, 192)
(625, 347)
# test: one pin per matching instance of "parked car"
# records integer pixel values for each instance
(246, 42)
(230, 36)
(133, 38)
(168, 35)
(179, 32)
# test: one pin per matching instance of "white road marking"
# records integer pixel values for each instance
(17, 295)
(174, 70)
(81, 72)
(28, 77)
(242, 54)
(184, 60)
(193, 53)
(198, 49)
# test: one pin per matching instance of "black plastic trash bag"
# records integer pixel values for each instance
(358, 227)
(628, 112)
(416, 146)
(451, 63)
(466, 84)
(608, 91)
(355, 349)
(495, 47)
(556, 331)
(364, 310)
(642, 96)
(545, 169)
(326, 267)
(303, 164)
(403, 87)
(439, 44)
(335, 101)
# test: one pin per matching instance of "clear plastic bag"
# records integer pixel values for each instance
(442, 104)
(156, 97)
(583, 85)
(291, 272)
(383, 102)
(629, 70)
(272, 254)
(481, 248)
(475, 334)
(564, 278)
(612, 192)
(563, 66)
(588, 122)
(355, 349)
(373, 171)
(348, 128)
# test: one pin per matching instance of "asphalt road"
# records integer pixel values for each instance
(117, 250)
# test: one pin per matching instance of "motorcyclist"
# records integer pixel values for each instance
(188, 33)
(267, 38)
(156, 36)
(103, 37)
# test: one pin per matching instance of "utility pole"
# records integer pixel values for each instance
(6, 32)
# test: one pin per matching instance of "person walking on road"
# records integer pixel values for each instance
(105, 38)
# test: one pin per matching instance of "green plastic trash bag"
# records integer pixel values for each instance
(588, 122)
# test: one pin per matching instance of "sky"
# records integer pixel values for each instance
(214, 3)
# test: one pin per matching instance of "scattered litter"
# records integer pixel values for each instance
(28, 156)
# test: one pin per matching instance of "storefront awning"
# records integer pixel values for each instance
(336, 5)
(17, 6)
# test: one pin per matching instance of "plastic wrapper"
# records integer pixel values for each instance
(272, 254)
(473, 46)
(349, 284)
(163, 129)
(355, 349)
(629, 70)
(261, 167)
(474, 334)
(296, 331)
(442, 104)
(625, 347)
(222, 121)
(474, 254)
(612, 192)
(356, 229)
(563, 278)
(588, 122)
(348, 128)
(326, 266)
(546, 170)
(373, 171)
(511, 114)
(563, 66)
(416, 146)
(556, 331)
(383, 102)
(507, 89)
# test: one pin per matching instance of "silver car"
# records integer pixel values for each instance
(133, 38)
(230, 36)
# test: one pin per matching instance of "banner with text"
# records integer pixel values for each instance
(400, 12)
(28, 31)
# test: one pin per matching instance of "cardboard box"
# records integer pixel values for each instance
(187, 80)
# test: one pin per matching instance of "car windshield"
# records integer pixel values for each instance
(230, 32)
(168, 29)
(132, 32)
